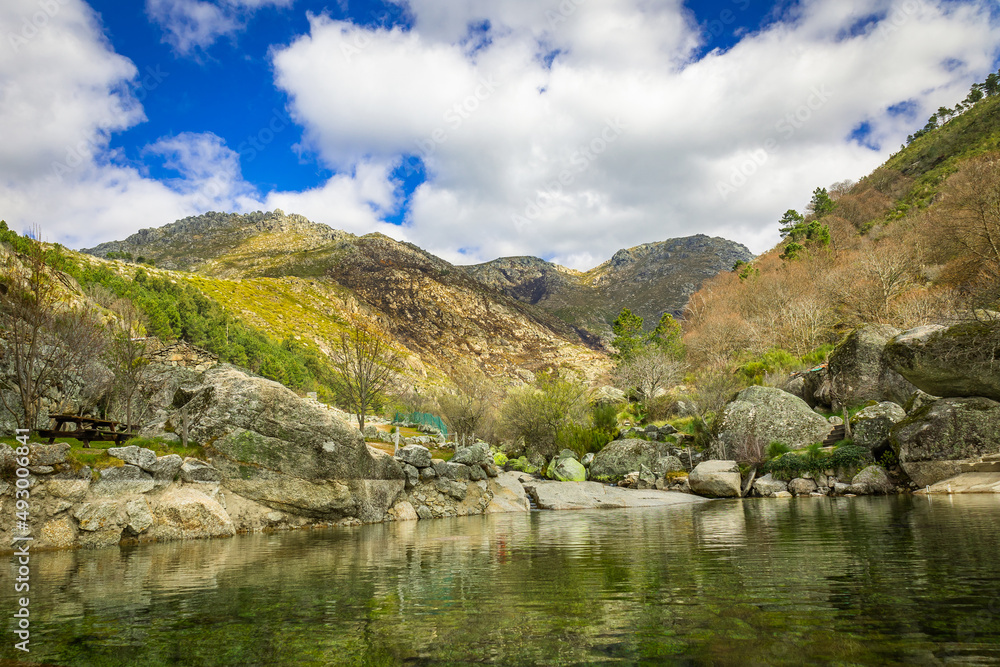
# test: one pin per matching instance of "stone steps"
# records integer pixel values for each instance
(836, 435)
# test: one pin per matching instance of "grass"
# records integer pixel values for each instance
(96, 456)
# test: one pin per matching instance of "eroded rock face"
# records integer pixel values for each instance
(768, 415)
(934, 442)
(716, 479)
(184, 513)
(620, 457)
(951, 362)
(859, 372)
(274, 448)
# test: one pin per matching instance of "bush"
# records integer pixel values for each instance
(850, 456)
(776, 449)
(581, 439)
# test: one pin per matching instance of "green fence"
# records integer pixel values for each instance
(421, 418)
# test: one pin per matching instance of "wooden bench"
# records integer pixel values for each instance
(87, 430)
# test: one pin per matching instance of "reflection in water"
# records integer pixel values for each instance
(812, 580)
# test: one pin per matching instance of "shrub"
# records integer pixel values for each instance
(776, 449)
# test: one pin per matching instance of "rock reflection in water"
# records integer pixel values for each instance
(810, 580)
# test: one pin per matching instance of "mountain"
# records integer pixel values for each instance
(649, 279)
(293, 277)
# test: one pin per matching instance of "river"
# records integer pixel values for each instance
(836, 581)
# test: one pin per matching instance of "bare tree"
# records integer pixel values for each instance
(647, 371)
(471, 407)
(537, 413)
(48, 341)
(365, 367)
(127, 358)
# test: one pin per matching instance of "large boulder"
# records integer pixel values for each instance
(767, 486)
(934, 442)
(767, 415)
(951, 362)
(621, 457)
(477, 454)
(873, 480)
(281, 451)
(567, 469)
(871, 426)
(716, 479)
(859, 371)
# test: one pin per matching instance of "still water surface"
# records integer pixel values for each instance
(861, 581)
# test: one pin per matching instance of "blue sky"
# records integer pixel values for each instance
(564, 129)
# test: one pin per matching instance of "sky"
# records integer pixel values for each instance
(476, 129)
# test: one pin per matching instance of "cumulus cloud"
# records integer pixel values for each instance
(191, 25)
(63, 92)
(570, 129)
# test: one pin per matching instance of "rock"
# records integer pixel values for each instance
(919, 399)
(609, 394)
(166, 468)
(768, 415)
(951, 362)
(451, 488)
(402, 511)
(934, 442)
(477, 454)
(592, 495)
(507, 495)
(427, 473)
(782, 494)
(455, 471)
(588, 458)
(716, 479)
(667, 429)
(186, 512)
(871, 426)
(140, 518)
(291, 455)
(768, 486)
(72, 490)
(567, 470)
(122, 480)
(834, 420)
(417, 456)
(817, 389)
(967, 482)
(476, 473)
(424, 512)
(7, 462)
(192, 470)
(41, 470)
(133, 455)
(647, 480)
(801, 486)
(873, 480)
(59, 533)
(412, 475)
(99, 515)
(796, 386)
(620, 457)
(859, 372)
(48, 455)
(841, 488)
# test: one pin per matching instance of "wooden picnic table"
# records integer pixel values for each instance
(87, 429)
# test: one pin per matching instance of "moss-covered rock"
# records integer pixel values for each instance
(933, 442)
(951, 362)
(768, 414)
(859, 371)
(871, 426)
(621, 457)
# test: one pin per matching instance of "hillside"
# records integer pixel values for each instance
(649, 279)
(292, 277)
(912, 243)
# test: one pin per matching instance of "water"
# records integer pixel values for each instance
(848, 581)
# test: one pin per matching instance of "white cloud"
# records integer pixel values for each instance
(663, 129)
(191, 25)
(63, 91)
